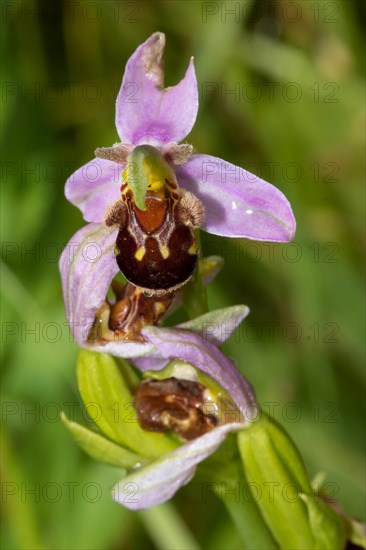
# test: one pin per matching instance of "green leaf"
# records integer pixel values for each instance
(244, 510)
(277, 482)
(101, 448)
(328, 528)
(129, 374)
(291, 457)
(110, 404)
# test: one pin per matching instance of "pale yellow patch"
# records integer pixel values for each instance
(159, 308)
(140, 253)
(193, 248)
(155, 184)
(164, 251)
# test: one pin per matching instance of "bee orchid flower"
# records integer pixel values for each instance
(88, 268)
(160, 480)
(152, 192)
(195, 402)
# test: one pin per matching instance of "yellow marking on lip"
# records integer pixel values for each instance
(159, 308)
(155, 184)
(164, 251)
(193, 248)
(140, 253)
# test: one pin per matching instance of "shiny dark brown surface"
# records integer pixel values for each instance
(123, 318)
(133, 310)
(169, 253)
(173, 404)
(153, 271)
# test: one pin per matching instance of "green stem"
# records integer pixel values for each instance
(227, 480)
(167, 529)
(194, 294)
(250, 525)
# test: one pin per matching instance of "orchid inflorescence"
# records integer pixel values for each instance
(145, 199)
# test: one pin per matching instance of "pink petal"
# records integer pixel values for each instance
(215, 327)
(150, 363)
(128, 350)
(87, 267)
(237, 203)
(189, 346)
(93, 187)
(161, 479)
(146, 112)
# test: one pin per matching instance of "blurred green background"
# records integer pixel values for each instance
(281, 94)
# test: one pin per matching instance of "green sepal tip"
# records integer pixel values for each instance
(102, 449)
